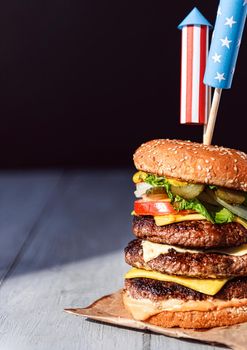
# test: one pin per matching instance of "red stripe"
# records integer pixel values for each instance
(181, 80)
(202, 87)
(190, 32)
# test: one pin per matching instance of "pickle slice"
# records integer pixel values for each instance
(189, 191)
(230, 196)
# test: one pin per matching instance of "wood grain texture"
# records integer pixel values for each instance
(74, 257)
(159, 342)
(23, 196)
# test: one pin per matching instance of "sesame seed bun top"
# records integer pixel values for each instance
(193, 162)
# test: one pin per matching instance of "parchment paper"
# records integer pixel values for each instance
(110, 309)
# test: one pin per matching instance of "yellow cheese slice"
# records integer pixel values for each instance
(163, 220)
(205, 286)
(171, 218)
(153, 250)
(240, 221)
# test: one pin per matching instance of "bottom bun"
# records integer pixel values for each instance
(200, 319)
(223, 313)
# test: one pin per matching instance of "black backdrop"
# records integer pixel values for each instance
(84, 82)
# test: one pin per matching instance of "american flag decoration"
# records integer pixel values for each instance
(194, 94)
(227, 35)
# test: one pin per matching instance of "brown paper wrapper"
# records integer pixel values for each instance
(110, 309)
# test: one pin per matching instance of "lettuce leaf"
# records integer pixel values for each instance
(179, 202)
(223, 216)
(193, 204)
(212, 187)
(160, 181)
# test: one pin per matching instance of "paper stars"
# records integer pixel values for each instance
(219, 13)
(216, 58)
(230, 21)
(220, 76)
(226, 42)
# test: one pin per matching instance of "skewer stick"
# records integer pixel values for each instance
(208, 135)
(209, 108)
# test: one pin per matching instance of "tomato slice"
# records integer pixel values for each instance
(154, 208)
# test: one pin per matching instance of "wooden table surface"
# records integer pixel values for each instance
(62, 236)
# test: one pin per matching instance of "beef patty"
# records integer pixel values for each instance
(155, 290)
(191, 234)
(199, 265)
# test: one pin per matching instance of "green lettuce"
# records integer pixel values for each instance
(193, 204)
(223, 216)
(212, 187)
(179, 202)
(159, 181)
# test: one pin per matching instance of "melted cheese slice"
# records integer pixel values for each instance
(153, 250)
(163, 220)
(168, 219)
(205, 286)
(240, 221)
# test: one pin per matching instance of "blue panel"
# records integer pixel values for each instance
(194, 18)
(229, 26)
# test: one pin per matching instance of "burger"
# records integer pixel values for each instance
(189, 256)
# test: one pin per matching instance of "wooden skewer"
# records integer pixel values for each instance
(209, 108)
(208, 134)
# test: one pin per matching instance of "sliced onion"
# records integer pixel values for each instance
(141, 189)
(156, 197)
(238, 210)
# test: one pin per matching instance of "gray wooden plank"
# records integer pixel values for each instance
(76, 256)
(32, 305)
(160, 342)
(22, 198)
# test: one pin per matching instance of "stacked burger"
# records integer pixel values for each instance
(189, 258)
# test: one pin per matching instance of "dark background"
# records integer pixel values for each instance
(84, 82)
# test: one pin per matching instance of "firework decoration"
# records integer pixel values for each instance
(194, 93)
(226, 40)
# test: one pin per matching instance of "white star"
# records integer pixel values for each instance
(220, 76)
(226, 42)
(219, 13)
(213, 34)
(230, 21)
(216, 58)
(233, 70)
(239, 41)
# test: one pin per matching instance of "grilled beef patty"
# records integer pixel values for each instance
(191, 234)
(155, 290)
(199, 265)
